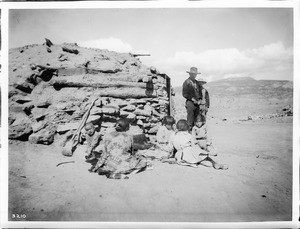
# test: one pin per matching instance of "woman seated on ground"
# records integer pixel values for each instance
(187, 154)
(117, 159)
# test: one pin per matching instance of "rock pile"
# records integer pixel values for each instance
(285, 111)
(51, 87)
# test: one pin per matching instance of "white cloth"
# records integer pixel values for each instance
(163, 134)
(182, 142)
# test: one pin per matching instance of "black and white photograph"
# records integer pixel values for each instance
(151, 114)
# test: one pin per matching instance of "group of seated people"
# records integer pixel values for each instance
(176, 144)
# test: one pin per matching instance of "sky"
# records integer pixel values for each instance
(220, 42)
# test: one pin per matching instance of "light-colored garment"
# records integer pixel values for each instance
(182, 142)
(163, 135)
(202, 139)
(201, 133)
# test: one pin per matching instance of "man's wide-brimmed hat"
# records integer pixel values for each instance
(193, 70)
(200, 79)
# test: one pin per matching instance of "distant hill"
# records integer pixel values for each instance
(248, 85)
(237, 97)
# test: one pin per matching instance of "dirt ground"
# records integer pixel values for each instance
(257, 186)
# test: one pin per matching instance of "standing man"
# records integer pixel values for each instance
(197, 97)
(191, 92)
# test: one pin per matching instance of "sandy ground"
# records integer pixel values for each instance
(257, 186)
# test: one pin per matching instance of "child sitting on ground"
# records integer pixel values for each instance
(187, 154)
(164, 133)
(201, 137)
(92, 141)
(161, 150)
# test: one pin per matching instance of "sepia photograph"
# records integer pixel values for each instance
(151, 114)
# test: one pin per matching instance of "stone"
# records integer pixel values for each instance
(39, 113)
(140, 117)
(138, 101)
(20, 126)
(122, 103)
(131, 116)
(28, 108)
(107, 124)
(21, 119)
(109, 118)
(153, 124)
(129, 108)
(153, 130)
(12, 92)
(16, 108)
(98, 103)
(163, 102)
(24, 86)
(43, 104)
(154, 119)
(93, 118)
(124, 113)
(20, 131)
(44, 136)
(110, 110)
(140, 122)
(113, 104)
(11, 120)
(155, 113)
(48, 42)
(37, 126)
(155, 100)
(22, 99)
(96, 111)
(63, 128)
(74, 51)
(104, 101)
(60, 106)
(105, 66)
(142, 112)
(148, 108)
(104, 110)
(147, 125)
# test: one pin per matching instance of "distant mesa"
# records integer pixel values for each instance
(238, 79)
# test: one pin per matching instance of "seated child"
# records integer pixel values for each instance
(92, 141)
(187, 154)
(164, 133)
(201, 137)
